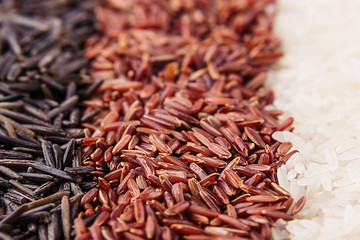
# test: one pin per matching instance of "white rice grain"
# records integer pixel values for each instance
(318, 83)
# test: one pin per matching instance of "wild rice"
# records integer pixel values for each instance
(43, 77)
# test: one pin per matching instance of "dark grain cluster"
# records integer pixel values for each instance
(43, 78)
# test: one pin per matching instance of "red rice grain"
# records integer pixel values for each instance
(183, 146)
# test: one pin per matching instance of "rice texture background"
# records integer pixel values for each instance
(318, 83)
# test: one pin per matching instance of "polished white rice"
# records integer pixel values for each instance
(318, 83)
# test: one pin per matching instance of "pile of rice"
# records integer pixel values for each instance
(318, 83)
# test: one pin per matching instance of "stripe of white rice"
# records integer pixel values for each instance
(318, 83)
